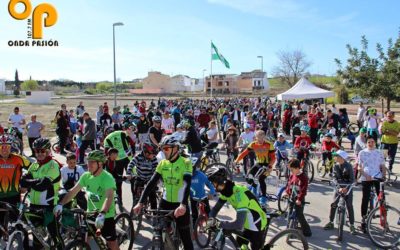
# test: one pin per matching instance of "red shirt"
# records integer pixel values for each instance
(313, 120)
(327, 146)
(301, 183)
(302, 142)
(204, 119)
(287, 115)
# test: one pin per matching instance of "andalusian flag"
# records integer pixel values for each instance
(218, 56)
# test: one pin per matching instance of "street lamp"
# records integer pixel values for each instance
(204, 80)
(262, 68)
(115, 72)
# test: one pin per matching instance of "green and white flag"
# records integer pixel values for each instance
(218, 56)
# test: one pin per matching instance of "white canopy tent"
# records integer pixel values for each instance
(304, 89)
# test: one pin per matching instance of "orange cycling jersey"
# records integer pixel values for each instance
(10, 174)
(265, 152)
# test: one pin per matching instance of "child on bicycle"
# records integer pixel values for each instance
(111, 167)
(265, 155)
(303, 142)
(327, 145)
(198, 193)
(343, 174)
(230, 142)
(281, 146)
(298, 182)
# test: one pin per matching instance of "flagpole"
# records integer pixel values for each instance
(211, 81)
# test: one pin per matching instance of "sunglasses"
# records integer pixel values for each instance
(166, 149)
(40, 151)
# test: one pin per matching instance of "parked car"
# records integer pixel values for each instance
(358, 99)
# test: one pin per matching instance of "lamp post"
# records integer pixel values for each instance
(115, 72)
(262, 68)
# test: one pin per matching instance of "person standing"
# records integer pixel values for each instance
(88, 136)
(17, 120)
(34, 129)
(80, 110)
(390, 131)
(62, 130)
(313, 124)
(143, 128)
(360, 115)
(372, 167)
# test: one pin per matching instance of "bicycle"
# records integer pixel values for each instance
(7, 209)
(290, 237)
(341, 207)
(70, 145)
(283, 167)
(306, 165)
(201, 235)
(19, 237)
(165, 233)
(382, 222)
(292, 222)
(230, 163)
(85, 229)
(322, 169)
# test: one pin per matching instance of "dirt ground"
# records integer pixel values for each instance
(46, 113)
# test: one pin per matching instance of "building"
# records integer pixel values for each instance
(155, 82)
(2, 86)
(181, 82)
(222, 84)
(255, 80)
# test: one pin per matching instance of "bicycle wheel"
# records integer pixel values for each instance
(287, 239)
(16, 241)
(353, 127)
(218, 164)
(77, 244)
(137, 222)
(283, 203)
(125, 231)
(202, 236)
(383, 227)
(309, 166)
(321, 170)
(56, 147)
(342, 219)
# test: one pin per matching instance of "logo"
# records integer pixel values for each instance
(38, 17)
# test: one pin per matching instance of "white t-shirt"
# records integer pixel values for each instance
(372, 122)
(371, 162)
(168, 125)
(16, 119)
(211, 133)
(67, 173)
(247, 137)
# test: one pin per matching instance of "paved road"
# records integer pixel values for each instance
(319, 195)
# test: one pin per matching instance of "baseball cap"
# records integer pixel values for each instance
(281, 135)
(363, 130)
(340, 153)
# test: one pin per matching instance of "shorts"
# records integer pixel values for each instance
(108, 231)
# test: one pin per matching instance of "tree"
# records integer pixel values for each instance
(30, 85)
(292, 66)
(17, 84)
(373, 77)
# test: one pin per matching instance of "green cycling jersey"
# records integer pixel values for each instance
(172, 176)
(243, 200)
(118, 140)
(48, 196)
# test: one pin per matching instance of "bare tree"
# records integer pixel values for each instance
(292, 66)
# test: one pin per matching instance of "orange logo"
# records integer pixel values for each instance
(44, 10)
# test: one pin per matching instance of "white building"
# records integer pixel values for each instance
(181, 82)
(2, 86)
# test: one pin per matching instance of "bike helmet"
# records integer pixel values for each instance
(170, 140)
(186, 123)
(97, 155)
(41, 143)
(217, 174)
(4, 139)
(363, 130)
(329, 135)
(156, 119)
(305, 128)
(112, 150)
(150, 148)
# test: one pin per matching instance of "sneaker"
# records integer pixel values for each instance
(263, 201)
(352, 230)
(363, 227)
(329, 226)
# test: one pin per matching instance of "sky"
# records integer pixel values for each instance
(173, 36)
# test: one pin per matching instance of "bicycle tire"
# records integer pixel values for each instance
(283, 203)
(310, 170)
(353, 128)
(137, 222)
(55, 147)
(321, 169)
(125, 234)
(16, 241)
(370, 227)
(341, 223)
(199, 226)
(218, 164)
(77, 244)
(284, 233)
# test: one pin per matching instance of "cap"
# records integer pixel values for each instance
(281, 135)
(340, 153)
(363, 130)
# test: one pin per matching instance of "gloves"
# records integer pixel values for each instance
(24, 182)
(99, 223)
(57, 210)
(213, 222)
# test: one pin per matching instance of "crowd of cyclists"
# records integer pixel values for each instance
(164, 143)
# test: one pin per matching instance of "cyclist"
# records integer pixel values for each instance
(342, 174)
(70, 175)
(245, 138)
(176, 173)
(144, 165)
(11, 166)
(298, 180)
(303, 142)
(198, 193)
(155, 131)
(100, 187)
(327, 145)
(371, 166)
(192, 140)
(116, 171)
(282, 146)
(265, 155)
(43, 181)
(250, 218)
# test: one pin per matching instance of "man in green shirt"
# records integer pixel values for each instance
(100, 187)
(390, 130)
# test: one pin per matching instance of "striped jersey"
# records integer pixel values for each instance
(144, 168)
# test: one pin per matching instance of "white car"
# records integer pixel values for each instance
(358, 99)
